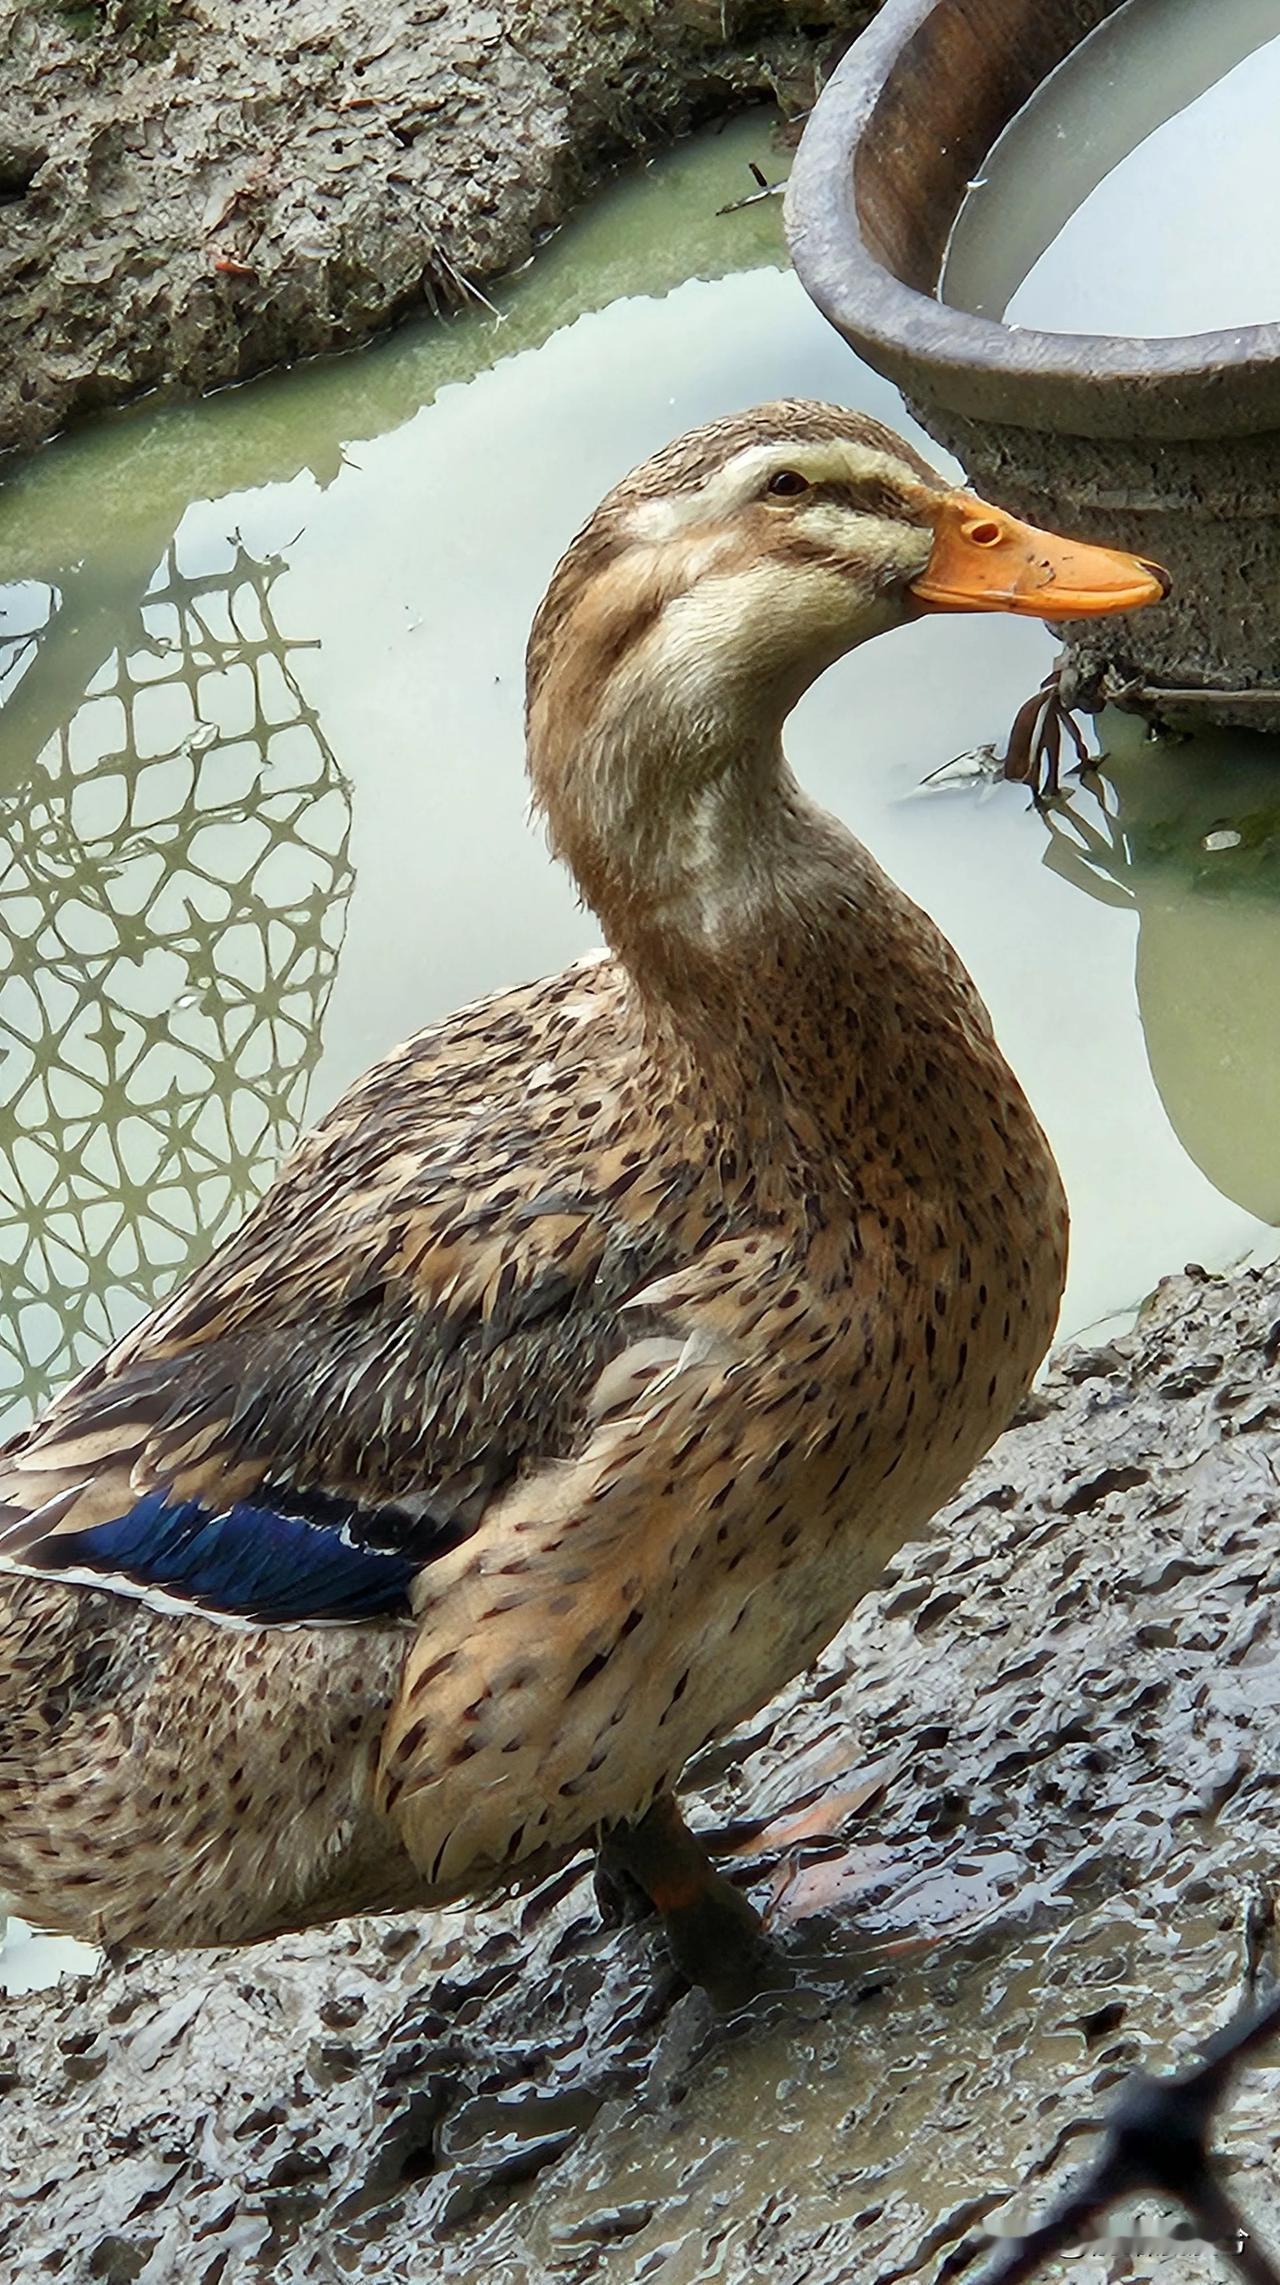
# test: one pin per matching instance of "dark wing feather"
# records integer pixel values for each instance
(415, 1313)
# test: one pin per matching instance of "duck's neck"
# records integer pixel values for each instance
(687, 834)
(741, 912)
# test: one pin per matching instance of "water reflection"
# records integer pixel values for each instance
(176, 860)
(174, 881)
(403, 509)
(1203, 881)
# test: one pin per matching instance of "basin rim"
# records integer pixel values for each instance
(1220, 383)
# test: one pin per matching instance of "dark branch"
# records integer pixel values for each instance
(1158, 2140)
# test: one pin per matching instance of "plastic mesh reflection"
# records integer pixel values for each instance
(174, 876)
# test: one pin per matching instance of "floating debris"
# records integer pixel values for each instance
(764, 189)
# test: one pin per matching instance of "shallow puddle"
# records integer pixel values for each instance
(262, 810)
(1136, 192)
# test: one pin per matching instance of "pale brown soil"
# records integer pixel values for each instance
(194, 190)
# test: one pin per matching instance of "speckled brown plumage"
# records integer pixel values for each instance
(643, 1310)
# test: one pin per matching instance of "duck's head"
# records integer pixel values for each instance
(716, 582)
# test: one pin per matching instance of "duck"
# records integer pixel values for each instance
(583, 1367)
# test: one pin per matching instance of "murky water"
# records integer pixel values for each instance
(1137, 192)
(262, 809)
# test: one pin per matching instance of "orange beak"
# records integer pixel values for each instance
(985, 560)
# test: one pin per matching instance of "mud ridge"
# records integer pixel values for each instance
(192, 191)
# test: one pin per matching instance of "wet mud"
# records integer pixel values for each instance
(1023, 1837)
(194, 190)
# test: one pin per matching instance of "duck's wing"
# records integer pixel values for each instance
(416, 1313)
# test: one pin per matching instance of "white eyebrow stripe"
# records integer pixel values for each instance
(823, 460)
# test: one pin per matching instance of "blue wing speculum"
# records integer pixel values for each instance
(278, 1559)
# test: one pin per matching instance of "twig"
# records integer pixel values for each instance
(467, 286)
(1034, 750)
(1158, 2140)
(764, 189)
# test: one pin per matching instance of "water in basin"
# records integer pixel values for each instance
(1136, 193)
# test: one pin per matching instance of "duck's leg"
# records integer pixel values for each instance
(716, 1935)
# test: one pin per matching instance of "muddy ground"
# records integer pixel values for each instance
(1048, 1745)
(194, 190)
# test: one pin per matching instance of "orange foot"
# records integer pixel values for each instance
(806, 1852)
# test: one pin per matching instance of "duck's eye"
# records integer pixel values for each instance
(787, 484)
